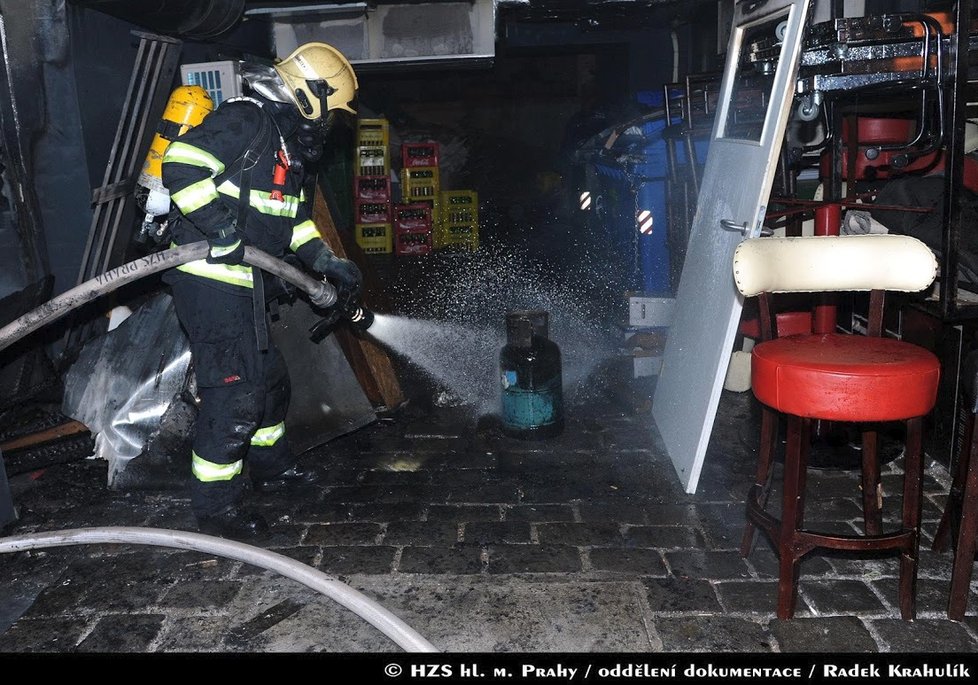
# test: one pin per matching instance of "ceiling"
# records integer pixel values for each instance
(204, 19)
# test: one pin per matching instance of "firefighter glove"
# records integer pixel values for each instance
(344, 274)
(343, 271)
(226, 248)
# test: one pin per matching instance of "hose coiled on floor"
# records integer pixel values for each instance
(362, 606)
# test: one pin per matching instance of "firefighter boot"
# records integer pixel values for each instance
(233, 523)
(294, 475)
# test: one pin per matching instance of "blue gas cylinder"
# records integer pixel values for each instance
(530, 372)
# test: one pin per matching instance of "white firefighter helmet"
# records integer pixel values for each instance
(317, 72)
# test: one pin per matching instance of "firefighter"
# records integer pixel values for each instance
(237, 180)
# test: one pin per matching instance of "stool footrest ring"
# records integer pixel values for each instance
(805, 541)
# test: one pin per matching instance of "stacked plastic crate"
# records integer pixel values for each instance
(458, 225)
(372, 187)
(415, 217)
(413, 229)
(420, 180)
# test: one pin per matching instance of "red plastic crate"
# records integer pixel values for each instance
(411, 218)
(419, 154)
(372, 188)
(412, 243)
(372, 212)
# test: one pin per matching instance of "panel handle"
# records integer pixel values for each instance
(730, 225)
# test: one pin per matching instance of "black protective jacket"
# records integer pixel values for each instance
(204, 170)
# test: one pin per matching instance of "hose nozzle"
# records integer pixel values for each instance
(361, 319)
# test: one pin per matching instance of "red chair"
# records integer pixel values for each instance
(860, 379)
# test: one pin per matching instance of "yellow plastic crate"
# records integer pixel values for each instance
(456, 235)
(374, 238)
(421, 183)
(372, 161)
(373, 133)
(459, 206)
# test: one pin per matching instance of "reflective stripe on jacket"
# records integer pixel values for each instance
(203, 172)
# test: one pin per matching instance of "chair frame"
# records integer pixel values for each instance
(788, 535)
(961, 508)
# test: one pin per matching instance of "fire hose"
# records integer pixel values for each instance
(321, 294)
(343, 594)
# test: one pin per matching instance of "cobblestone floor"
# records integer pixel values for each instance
(480, 543)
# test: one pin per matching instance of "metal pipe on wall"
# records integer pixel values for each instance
(191, 19)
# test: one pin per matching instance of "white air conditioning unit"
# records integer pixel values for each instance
(219, 79)
(391, 35)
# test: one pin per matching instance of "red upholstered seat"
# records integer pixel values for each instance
(850, 378)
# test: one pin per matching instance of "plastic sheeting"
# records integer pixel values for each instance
(125, 381)
(133, 389)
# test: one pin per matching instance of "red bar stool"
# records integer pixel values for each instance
(836, 377)
(962, 503)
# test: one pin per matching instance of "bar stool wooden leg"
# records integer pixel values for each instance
(952, 510)
(872, 516)
(913, 474)
(964, 553)
(792, 514)
(769, 437)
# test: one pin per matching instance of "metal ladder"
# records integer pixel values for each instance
(156, 62)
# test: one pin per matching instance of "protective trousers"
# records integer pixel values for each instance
(244, 395)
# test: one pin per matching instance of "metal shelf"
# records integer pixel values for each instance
(873, 64)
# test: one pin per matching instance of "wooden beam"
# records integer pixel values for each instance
(41, 437)
(370, 363)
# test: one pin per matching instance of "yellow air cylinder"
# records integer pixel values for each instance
(187, 107)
